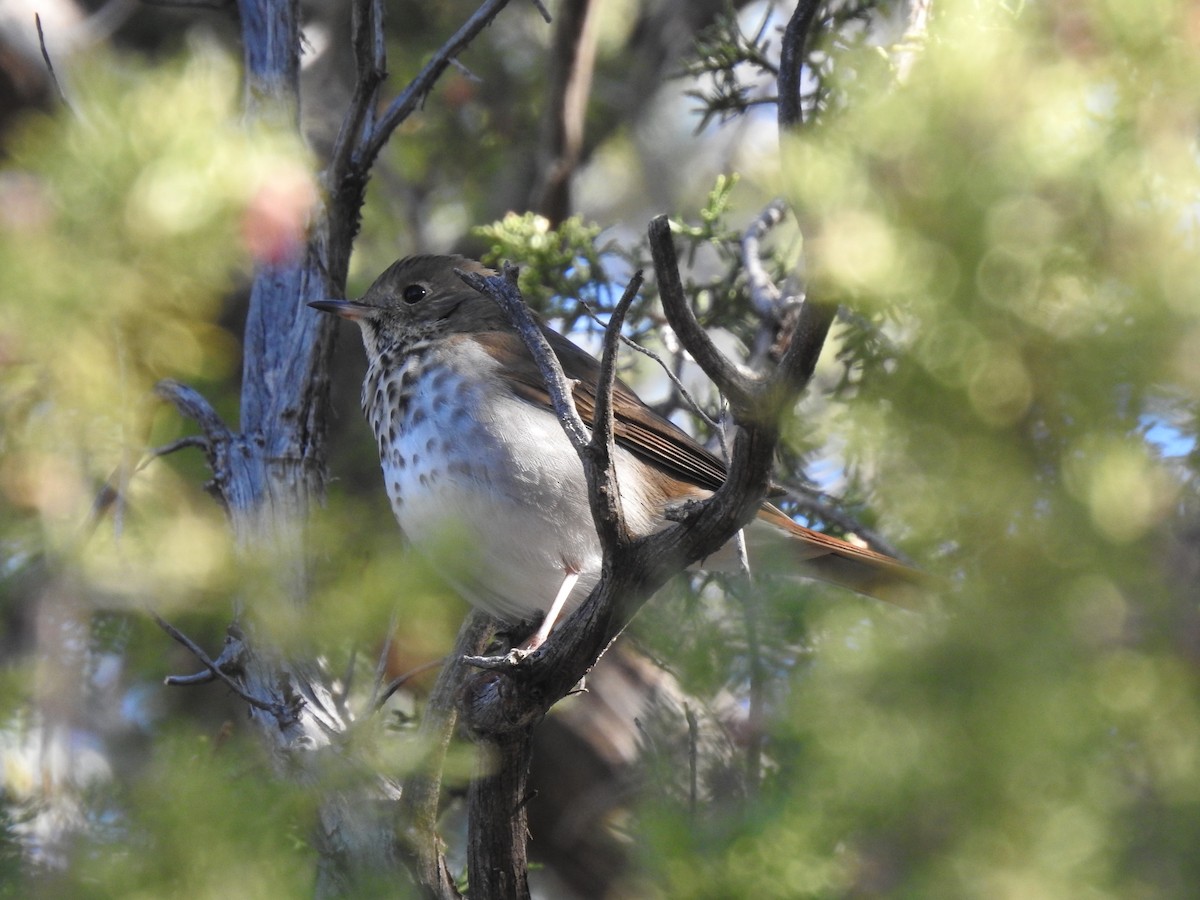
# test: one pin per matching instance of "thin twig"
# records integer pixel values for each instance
(210, 665)
(675, 380)
(411, 98)
(49, 65)
(113, 490)
(764, 294)
(610, 520)
(183, 443)
(541, 7)
(381, 663)
(602, 428)
(693, 774)
(817, 504)
(400, 680)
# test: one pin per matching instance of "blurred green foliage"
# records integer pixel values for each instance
(124, 227)
(1018, 222)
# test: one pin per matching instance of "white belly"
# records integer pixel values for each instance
(504, 524)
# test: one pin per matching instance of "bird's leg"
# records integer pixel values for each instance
(570, 578)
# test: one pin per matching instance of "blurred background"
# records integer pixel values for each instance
(1003, 199)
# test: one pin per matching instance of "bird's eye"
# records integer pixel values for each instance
(414, 293)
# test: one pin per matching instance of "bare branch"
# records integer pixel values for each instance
(605, 502)
(370, 59)
(204, 676)
(791, 64)
(400, 680)
(113, 493)
(503, 290)
(602, 427)
(414, 95)
(764, 294)
(381, 664)
(560, 148)
(675, 380)
(37, 19)
(213, 667)
(799, 361)
(732, 383)
(192, 404)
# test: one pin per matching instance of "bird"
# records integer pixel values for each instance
(472, 452)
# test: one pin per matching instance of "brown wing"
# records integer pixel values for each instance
(640, 430)
(636, 427)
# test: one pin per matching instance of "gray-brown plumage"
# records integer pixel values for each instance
(474, 457)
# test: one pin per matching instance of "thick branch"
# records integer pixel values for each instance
(270, 48)
(498, 823)
(799, 361)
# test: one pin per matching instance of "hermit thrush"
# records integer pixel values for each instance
(472, 450)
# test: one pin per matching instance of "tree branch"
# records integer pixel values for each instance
(607, 513)
(560, 150)
(418, 89)
(370, 59)
(513, 699)
(736, 386)
(503, 290)
(764, 294)
(418, 808)
(216, 670)
(62, 97)
(791, 64)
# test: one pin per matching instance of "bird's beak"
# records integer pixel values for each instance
(347, 309)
